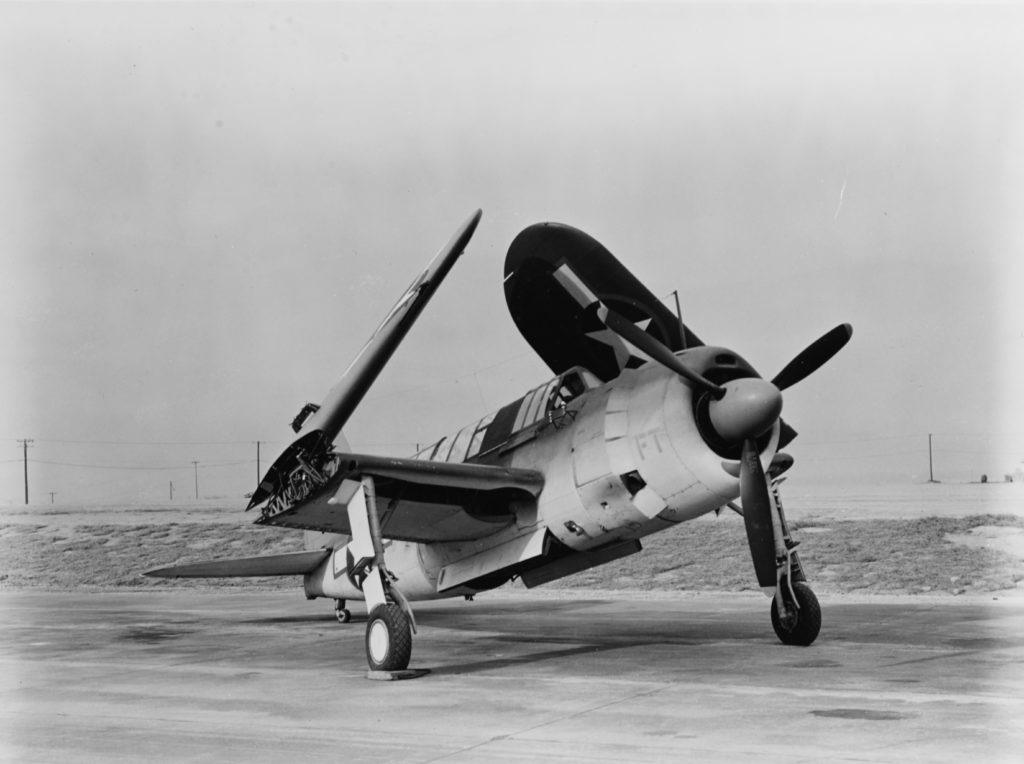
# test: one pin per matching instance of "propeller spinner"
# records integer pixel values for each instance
(748, 409)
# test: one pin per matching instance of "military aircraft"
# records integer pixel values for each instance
(642, 427)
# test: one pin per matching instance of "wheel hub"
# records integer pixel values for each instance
(379, 641)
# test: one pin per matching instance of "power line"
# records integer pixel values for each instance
(206, 465)
(909, 436)
(151, 442)
(804, 442)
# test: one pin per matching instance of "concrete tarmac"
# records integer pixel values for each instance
(221, 676)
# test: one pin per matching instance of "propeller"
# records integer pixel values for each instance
(740, 411)
(743, 408)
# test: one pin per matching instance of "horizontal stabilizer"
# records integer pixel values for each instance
(288, 564)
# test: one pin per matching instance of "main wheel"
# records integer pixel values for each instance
(805, 627)
(388, 639)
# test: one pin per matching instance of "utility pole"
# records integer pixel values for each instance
(195, 465)
(52, 494)
(931, 472)
(258, 473)
(172, 490)
(25, 442)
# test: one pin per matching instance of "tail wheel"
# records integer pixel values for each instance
(804, 628)
(341, 612)
(388, 639)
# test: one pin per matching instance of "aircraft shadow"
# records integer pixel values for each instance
(306, 618)
(523, 660)
(434, 614)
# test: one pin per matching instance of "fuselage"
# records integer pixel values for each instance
(620, 460)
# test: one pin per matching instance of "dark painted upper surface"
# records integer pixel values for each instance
(559, 325)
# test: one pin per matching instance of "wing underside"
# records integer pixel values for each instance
(417, 500)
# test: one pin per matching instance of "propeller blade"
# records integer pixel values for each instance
(813, 356)
(786, 434)
(636, 336)
(757, 514)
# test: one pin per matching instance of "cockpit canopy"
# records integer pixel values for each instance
(545, 405)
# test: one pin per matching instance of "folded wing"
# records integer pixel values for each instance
(554, 274)
(321, 429)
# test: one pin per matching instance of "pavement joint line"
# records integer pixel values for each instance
(943, 656)
(551, 722)
(906, 697)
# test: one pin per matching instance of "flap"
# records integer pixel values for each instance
(490, 560)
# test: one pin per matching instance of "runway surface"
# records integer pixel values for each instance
(228, 676)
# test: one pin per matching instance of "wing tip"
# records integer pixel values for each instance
(280, 564)
(160, 573)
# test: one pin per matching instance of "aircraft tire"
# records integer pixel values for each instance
(388, 639)
(342, 613)
(808, 620)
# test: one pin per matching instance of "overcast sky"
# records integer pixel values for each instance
(207, 208)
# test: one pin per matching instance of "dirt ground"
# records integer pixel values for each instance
(954, 555)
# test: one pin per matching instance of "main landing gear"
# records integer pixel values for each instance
(388, 639)
(796, 614)
(388, 635)
(390, 623)
(800, 620)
